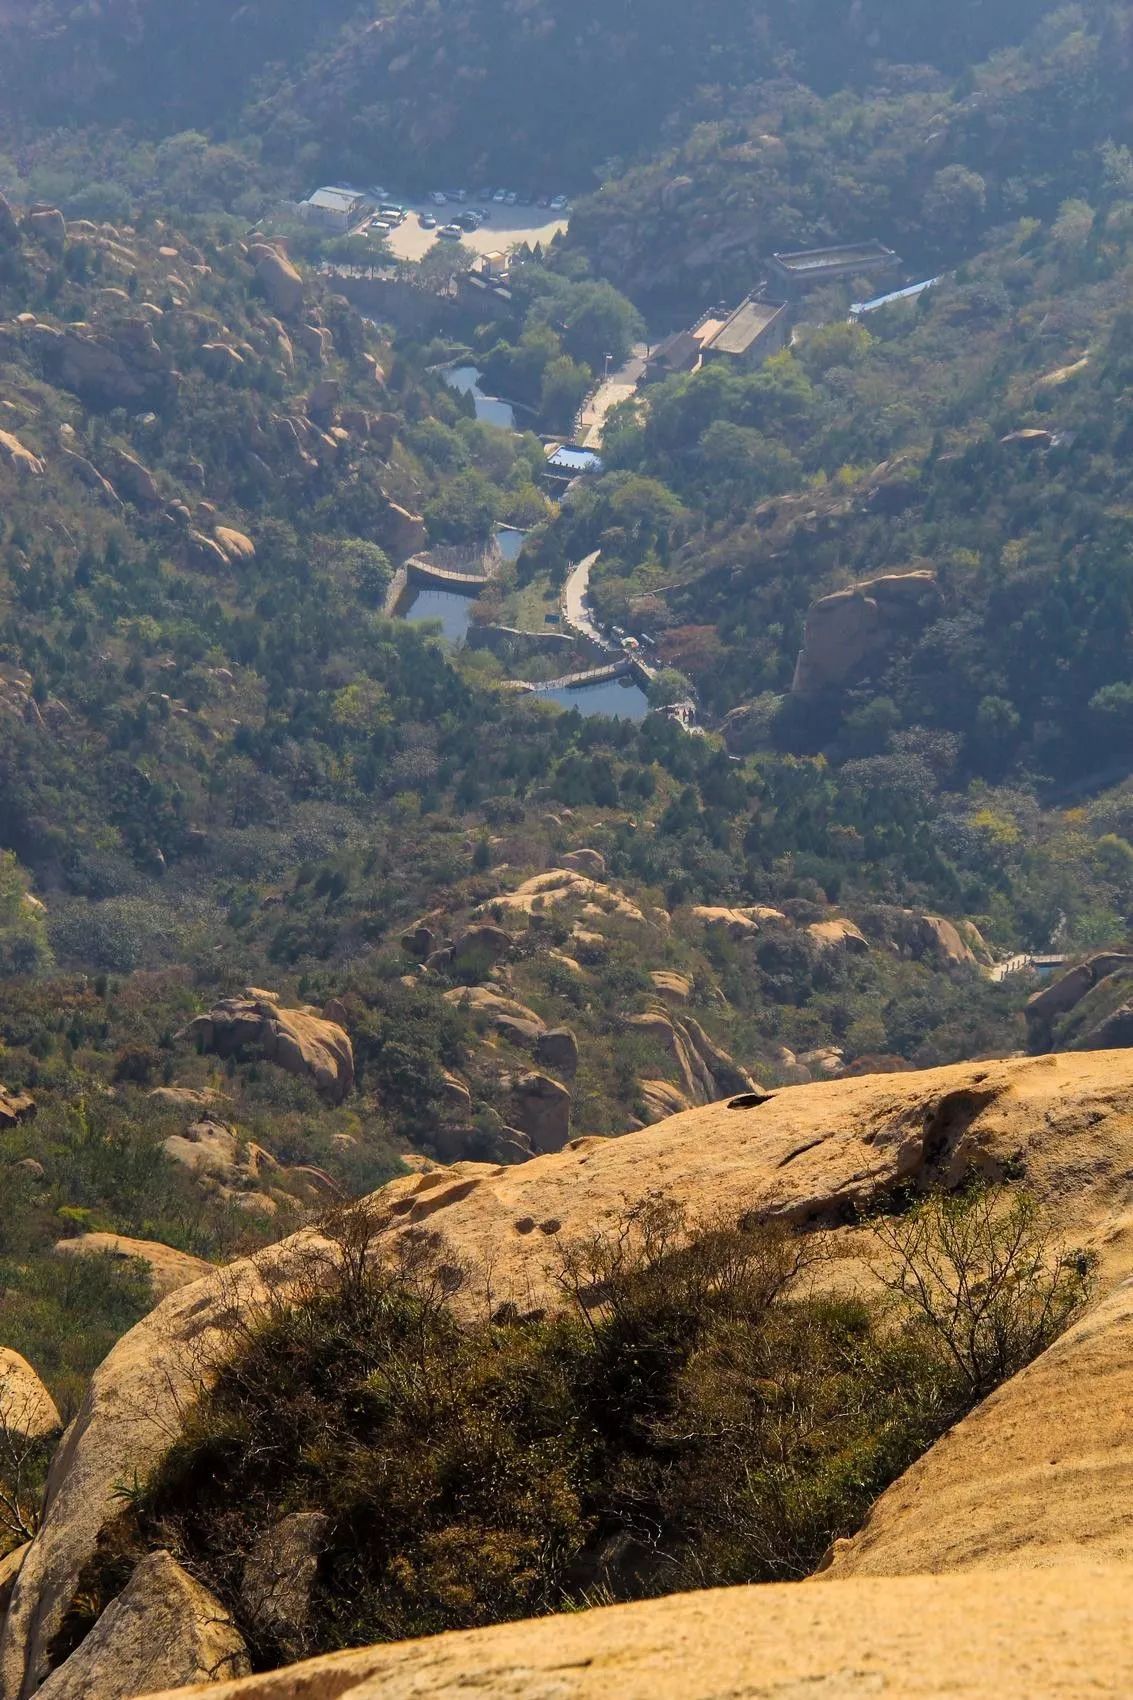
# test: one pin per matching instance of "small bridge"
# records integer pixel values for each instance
(445, 578)
(592, 676)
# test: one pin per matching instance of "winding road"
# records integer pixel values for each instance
(576, 603)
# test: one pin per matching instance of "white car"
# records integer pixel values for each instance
(438, 198)
(451, 232)
(559, 203)
(427, 221)
(500, 197)
(511, 198)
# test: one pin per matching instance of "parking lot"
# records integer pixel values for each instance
(506, 226)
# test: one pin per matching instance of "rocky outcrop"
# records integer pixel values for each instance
(852, 627)
(163, 1630)
(737, 923)
(236, 545)
(278, 279)
(838, 934)
(1052, 1002)
(121, 366)
(89, 475)
(672, 988)
(131, 479)
(591, 862)
(1042, 1636)
(403, 533)
(26, 1407)
(514, 1020)
(14, 454)
(15, 1107)
(168, 1268)
(558, 1049)
(279, 1575)
(540, 1108)
(48, 227)
(298, 1040)
(706, 1071)
(810, 1154)
(559, 886)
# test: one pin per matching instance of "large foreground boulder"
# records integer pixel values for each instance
(1060, 1635)
(299, 1040)
(163, 1628)
(806, 1155)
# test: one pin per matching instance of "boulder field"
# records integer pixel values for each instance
(1034, 1485)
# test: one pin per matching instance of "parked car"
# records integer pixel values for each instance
(500, 197)
(427, 221)
(392, 209)
(378, 195)
(467, 221)
(438, 197)
(559, 203)
(511, 198)
(451, 232)
(544, 200)
(484, 194)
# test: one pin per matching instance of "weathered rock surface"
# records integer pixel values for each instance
(851, 627)
(403, 533)
(1040, 1636)
(513, 1019)
(163, 1628)
(558, 1049)
(26, 1407)
(279, 280)
(13, 453)
(1040, 1474)
(590, 862)
(279, 1575)
(10, 1566)
(168, 1267)
(1051, 1002)
(807, 1154)
(15, 1107)
(47, 226)
(130, 478)
(540, 1108)
(298, 1040)
(237, 545)
(839, 934)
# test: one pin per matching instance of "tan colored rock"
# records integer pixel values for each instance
(557, 1049)
(558, 886)
(483, 942)
(456, 1097)
(1067, 991)
(278, 279)
(89, 475)
(512, 1018)
(168, 1268)
(163, 1628)
(1040, 1474)
(660, 1099)
(1061, 1635)
(237, 546)
(186, 1097)
(540, 1108)
(737, 923)
(852, 626)
(808, 1154)
(404, 533)
(14, 454)
(590, 862)
(298, 1040)
(130, 478)
(221, 359)
(15, 1107)
(935, 936)
(10, 1566)
(205, 551)
(316, 341)
(839, 934)
(26, 1407)
(671, 987)
(1029, 438)
(47, 226)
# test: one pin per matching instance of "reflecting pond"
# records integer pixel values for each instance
(620, 699)
(489, 408)
(453, 611)
(510, 541)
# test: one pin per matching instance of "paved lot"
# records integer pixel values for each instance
(506, 226)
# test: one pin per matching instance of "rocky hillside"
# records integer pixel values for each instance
(1035, 1478)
